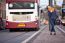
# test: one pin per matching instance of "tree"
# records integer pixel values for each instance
(58, 7)
(0, 1)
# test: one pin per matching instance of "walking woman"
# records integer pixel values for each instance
(52, 18)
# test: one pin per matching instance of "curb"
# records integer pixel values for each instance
(61, 29)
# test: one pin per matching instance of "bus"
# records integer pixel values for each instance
(22, 14)
(63, 14)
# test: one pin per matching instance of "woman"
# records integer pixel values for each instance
(52, 18)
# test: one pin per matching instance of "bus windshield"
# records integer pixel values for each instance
(22, 5)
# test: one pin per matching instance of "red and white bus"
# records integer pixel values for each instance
(22, 14)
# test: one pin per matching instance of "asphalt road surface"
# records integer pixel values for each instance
(15, 37)
(43, 37)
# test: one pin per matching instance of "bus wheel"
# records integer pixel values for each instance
(36, 29)
(11, 30)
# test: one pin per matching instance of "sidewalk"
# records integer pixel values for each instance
(45, 37)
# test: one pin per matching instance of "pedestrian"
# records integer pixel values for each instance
(52, 18)
(1, 24)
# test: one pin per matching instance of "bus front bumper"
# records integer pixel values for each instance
(34, 24)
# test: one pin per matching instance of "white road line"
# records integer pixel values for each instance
(25, 41)
(61, 29)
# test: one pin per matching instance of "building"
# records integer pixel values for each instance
(2, 9)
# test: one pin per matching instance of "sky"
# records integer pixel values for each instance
(44, 3)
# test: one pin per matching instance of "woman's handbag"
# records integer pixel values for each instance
(57, 22)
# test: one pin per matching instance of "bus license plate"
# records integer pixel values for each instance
(21, 25)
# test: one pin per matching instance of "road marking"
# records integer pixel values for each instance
(61, 29)
(27, 40)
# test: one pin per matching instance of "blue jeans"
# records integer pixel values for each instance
(51, 25)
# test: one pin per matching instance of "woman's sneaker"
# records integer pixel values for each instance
(54, 33)
(51, 33)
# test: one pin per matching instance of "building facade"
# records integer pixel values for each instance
(2, 9)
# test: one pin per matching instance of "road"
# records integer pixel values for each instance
(43, 36)
(15, 37)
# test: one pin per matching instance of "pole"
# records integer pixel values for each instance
(50, 3)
